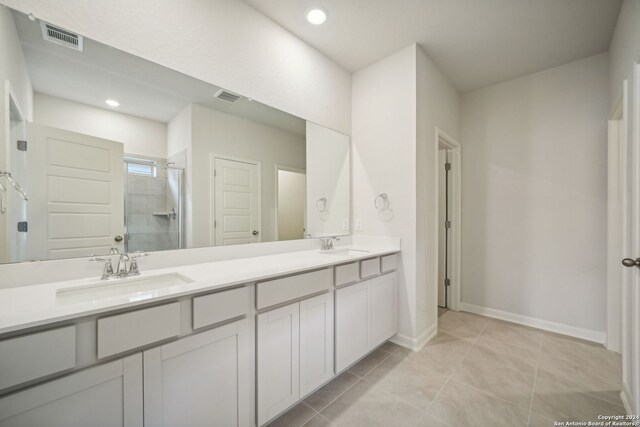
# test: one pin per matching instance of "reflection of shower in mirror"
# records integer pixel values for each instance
(15, 185)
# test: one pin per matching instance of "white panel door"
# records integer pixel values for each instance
(278, 361)
(202, 380)
(108, 395)
(353, 334)
(316, 342)
(77, 194)
(236, 202)
(631, 278)
(383, 308)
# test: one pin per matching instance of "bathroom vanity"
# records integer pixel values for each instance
(226, 343)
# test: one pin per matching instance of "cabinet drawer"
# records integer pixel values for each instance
(135, 329)
(347, 273)
(369, 267)
(389, 263)
(35, 355)
(218, 307)
(290, 288)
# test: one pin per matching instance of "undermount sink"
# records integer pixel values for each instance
(345, 252)
(132, 289)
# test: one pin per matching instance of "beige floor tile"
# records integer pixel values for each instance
(461, 405)
(442, 353)
(507, 355)
(318, 421)
(366, 405)
(512, 334)
(508, 384)
(415, 383)
(369, 363)
(601, 382)
(294, 417)
(390, 347)
(330, 392)
(581, 352)
(559, 403)
(461, 325)
(429, 421)
(536, 420)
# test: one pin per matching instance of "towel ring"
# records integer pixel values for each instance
(321, 204)
(381, 202)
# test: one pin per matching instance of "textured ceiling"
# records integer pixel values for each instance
(474, 42)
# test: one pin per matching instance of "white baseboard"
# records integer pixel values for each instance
(585, 334)
(626, 397)
(415, 344)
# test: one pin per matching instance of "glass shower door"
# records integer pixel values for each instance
(153, 207)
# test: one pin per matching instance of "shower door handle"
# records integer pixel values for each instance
(118, 239)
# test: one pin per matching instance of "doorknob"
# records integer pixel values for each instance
(118, 239)
(255, 232)
(628, 262)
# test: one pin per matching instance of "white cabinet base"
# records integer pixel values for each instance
(201, 380)
(108, 395)
(278, 361)
(316, 342)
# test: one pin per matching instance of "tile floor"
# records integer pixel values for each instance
(476, 372)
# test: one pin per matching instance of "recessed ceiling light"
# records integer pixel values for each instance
(316, 16)
(112, 103)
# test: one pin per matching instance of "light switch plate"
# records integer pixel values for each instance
(345, 225)
(358, 224)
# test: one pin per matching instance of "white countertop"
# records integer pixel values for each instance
(35, 305)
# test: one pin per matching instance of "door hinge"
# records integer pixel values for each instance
(215, 223)
(447, 166)
(215, 173)
(447, 224)
(23, 226)
(447, 282)
(22, 145)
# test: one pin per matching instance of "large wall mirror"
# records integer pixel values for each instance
(102, 149)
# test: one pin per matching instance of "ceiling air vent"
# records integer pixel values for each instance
(227, 96)
(61, 36)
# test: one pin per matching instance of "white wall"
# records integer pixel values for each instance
(215, 132)
(328, 177)
(438, 105)
(13, 69)
(291, 205)
(534, 195)
(383, 149)
(397, 103)
(140, 136)
(624, 49)
(223, 42)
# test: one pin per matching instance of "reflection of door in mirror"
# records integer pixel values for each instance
(290, 203)
(12, 202)
(76, 200)
(236, 201)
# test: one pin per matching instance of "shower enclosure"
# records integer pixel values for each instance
(154, 219)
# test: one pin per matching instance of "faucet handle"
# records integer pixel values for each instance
(108, 266)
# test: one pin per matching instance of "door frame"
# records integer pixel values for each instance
(617, 223)
(275, 191)
(212, 192)
(455, 199)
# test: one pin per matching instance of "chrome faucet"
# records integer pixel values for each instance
(127, 265)
(326, 243)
